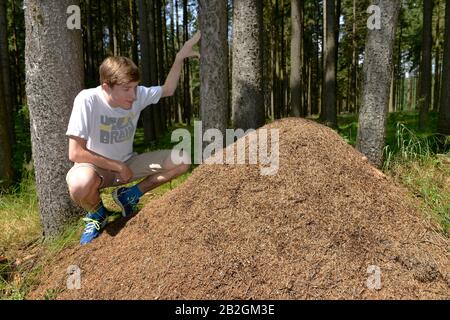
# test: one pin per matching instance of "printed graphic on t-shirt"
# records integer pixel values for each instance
(116, 130)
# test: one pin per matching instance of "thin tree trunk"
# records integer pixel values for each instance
(134, 36)
(437, 72)
(399, 73)
(329, 90)
(161, 62)
(5, 72)
(247, 80)
(19, 82)
(214, 65)
(296, 57)
(378, 67)
(179, 108)
(316, 65)
(444, 111)
(115, 27)
(89, 43)
(425, 65)
(354, 89)
(147, 114)
(282, 63)
(275, 102)
(174, 106)
(111, 35)
(155, 109)
(186, 82)
(6, 171)
(336, 53)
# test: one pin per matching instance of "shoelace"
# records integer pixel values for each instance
(91, 225)
(133, 202)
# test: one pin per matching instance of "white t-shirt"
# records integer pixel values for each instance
(109, 131)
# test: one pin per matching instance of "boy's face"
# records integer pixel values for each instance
(121, 95)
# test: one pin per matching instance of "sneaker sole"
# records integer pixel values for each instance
(116, 200)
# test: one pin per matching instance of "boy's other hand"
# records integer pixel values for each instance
(187, 50)
(125, 174)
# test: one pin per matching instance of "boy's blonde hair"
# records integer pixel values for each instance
(118, 70)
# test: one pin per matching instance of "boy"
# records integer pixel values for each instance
(101, 132)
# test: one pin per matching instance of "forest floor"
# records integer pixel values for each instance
(315, 230)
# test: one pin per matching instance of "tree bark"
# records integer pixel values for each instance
(329, 85)
(378, 67)
(6, 171)
(187, 114)
(133, 32)
(51, 89)
(247, 80)
(153, 67)
(147, 114)
(6, 74)
(438, 65)
(111, 35)
(296, 57)
(425, 65)
(444, 111)
(353, 88)
(214, 64)
(159, 45)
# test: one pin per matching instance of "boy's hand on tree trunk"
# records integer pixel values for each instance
(187, 50)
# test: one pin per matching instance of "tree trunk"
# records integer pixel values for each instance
(115, 27)
(247, 83)
(90, 45)
(329, 85)
(353, 88)
(147, 114)
(49, 45)
(438, 65)
(282, 62)
(214, 64)
(378, 67)
(444, 111)
(100, 36)
(296, 57)
(186, 74)
(133, 32)
(161, 63)
(6, 172)
(174, 107)
(153, 67)
(5, 72)
(425, 65)
(178, 93)
(111, 35)
(337, 20)
(316, 65)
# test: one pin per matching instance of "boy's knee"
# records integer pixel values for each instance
(82, 183)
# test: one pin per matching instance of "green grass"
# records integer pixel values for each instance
(19, 218)
(411, 158)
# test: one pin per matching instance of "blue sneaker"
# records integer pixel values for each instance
(126, 200)
(95, 222)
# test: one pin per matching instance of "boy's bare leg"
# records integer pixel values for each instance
(156, 180)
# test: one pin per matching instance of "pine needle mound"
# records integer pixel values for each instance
(321, 228)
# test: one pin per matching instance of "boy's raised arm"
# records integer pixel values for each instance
(173, 78)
